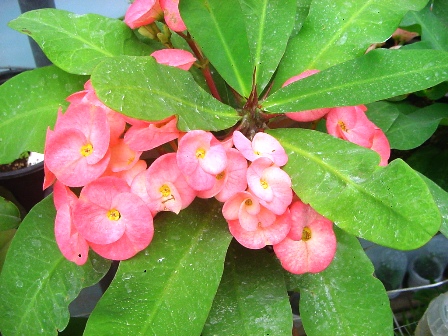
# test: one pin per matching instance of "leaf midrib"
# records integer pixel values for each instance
(164, 94)
(348, 181)
(31, 305)
(317, 92)
(169, 283)
(72, 36)
(228, 52)
(335, 37)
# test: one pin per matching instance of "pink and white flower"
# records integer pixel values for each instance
(270, 184)
(262, 145)
(201, 157)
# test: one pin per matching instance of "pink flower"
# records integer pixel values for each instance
(270, 184)
(231, 180)
(116, 223)
(172, 15)
(245, 208)
(72, 245)
(143, 12)
(178, 58)
(130, 174)
(49, 177)
(380, 144)
(88, 96)
(166, 187)
(262, 145)
(122, 157)
(351, 123)
(144, 136)
(310, 245)
(77, 152)
(201, 157)
(308, 115)
(264, 233)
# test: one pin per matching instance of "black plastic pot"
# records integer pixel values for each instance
(25, 184)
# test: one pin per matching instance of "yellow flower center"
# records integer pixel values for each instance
(113, 214)
(130, 160)
(165, 190)
(220, 176)
(86, 150)
(200, 153)
(342, 126)
(264, 184)
(306, 233)
(248, 202)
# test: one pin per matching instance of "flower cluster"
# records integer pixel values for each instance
(99, 150)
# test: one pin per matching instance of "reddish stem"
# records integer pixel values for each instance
(204, 65)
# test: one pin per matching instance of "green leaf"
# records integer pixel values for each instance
(5, 240)
(143, 89)
(389, 205)
(433, 32)
(9, 215)
(440, 9)
(379, 74)
(37, 282)
(77, 43)
(345, 299)
(303, 8)
(338, 30)
(220, 31)
(269, 24)
(441, 199)
(167, 289)
(406, 131)
(29, 104)
(252, 297)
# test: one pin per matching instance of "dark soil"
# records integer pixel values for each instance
(15, 165)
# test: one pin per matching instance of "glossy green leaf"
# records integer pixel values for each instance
(167, 289)
(141, 88)
(252, 297)
(379, 74)
(406, 130)
(220, 30)
(433, 32)
(269, 24)
(345, 299)
(37, 282)
(29, 104)
(338, 30)
(77, 43)
(9, 215)
(441, 199)
(303, 8)
(389, 205)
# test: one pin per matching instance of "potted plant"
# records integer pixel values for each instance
(266, 128)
